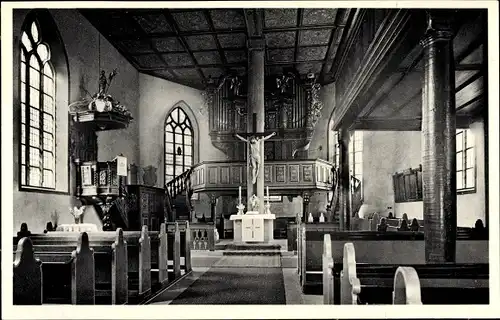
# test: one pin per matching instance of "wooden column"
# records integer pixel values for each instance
(344, 180)
(438, 140)
(256, 114)
(213, 214)
(305, 206)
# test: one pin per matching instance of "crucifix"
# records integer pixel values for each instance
(255, 159)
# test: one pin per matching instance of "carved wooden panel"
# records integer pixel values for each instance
(307, 173)
(293, 171)
(202, 176)
(212, 175)
(224, 175)
(236, 175)
(268, 174)
(269, 150)
(280, 173)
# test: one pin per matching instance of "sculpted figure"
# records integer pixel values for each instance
(254, 157)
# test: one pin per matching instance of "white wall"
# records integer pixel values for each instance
(388, 152)
(80, 39)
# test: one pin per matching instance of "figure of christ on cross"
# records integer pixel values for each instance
(254, 156)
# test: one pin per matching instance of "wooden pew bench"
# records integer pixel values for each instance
(142, 270)
(365, 283)
(405, 247)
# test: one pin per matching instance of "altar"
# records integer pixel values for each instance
(253, 227)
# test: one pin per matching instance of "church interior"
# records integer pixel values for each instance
(250, 156)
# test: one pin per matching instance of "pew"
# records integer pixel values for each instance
(27, 282)
(406, 247)
(129, 266)
(55, 250)
(406, 287)
(374, 283)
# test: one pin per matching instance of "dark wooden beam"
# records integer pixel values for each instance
(134, 22)
(386, 93)
(401, 124)
(158, 35)
(254, 21)
(471, 101)
(231, 65)
(470, 80)
(468, 67)
(179, 81)
(341, 16)
(400, 32)
(311, 46)
(175, 27)
(300, 13)
(355, 21)
(216, 39)
(469, 49)
(397, 110)
(321, 27)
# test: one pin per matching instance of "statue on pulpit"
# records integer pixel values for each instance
(254, 157)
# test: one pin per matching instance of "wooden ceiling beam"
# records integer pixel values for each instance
(400, 124)
(336, 35)
(134, 22)
(382, 96)
(355, 22)
(231, 65)
(469, 67)
(230, 49)
(159, 35)
(173, 24)
(300, 13)
(216, 40)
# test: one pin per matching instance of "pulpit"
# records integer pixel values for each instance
(253, 227)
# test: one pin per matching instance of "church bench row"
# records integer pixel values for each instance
(145, 268)
(366, 283)
(397, 248)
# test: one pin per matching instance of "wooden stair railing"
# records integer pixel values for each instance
(356, 193)
(173, 188)
(357, 196)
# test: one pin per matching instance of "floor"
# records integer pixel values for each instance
(202, 261)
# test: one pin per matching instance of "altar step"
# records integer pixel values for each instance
(251, 252)
(245, 249)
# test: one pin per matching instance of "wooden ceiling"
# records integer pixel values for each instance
(192, 46)
(397, 105)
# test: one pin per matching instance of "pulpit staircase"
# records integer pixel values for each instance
(356, 196)
(177, 205)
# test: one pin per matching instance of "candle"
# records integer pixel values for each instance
(239, 196)
(267, 193)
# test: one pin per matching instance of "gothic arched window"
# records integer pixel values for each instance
(178, 144)
(38, 109)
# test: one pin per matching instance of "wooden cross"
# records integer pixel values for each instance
(256, 134)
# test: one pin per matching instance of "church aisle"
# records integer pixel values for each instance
(229, 286)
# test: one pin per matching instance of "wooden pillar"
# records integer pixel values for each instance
(256, 113)
(213, 215)
(305, 206)
(344, 180)
(438, 140)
